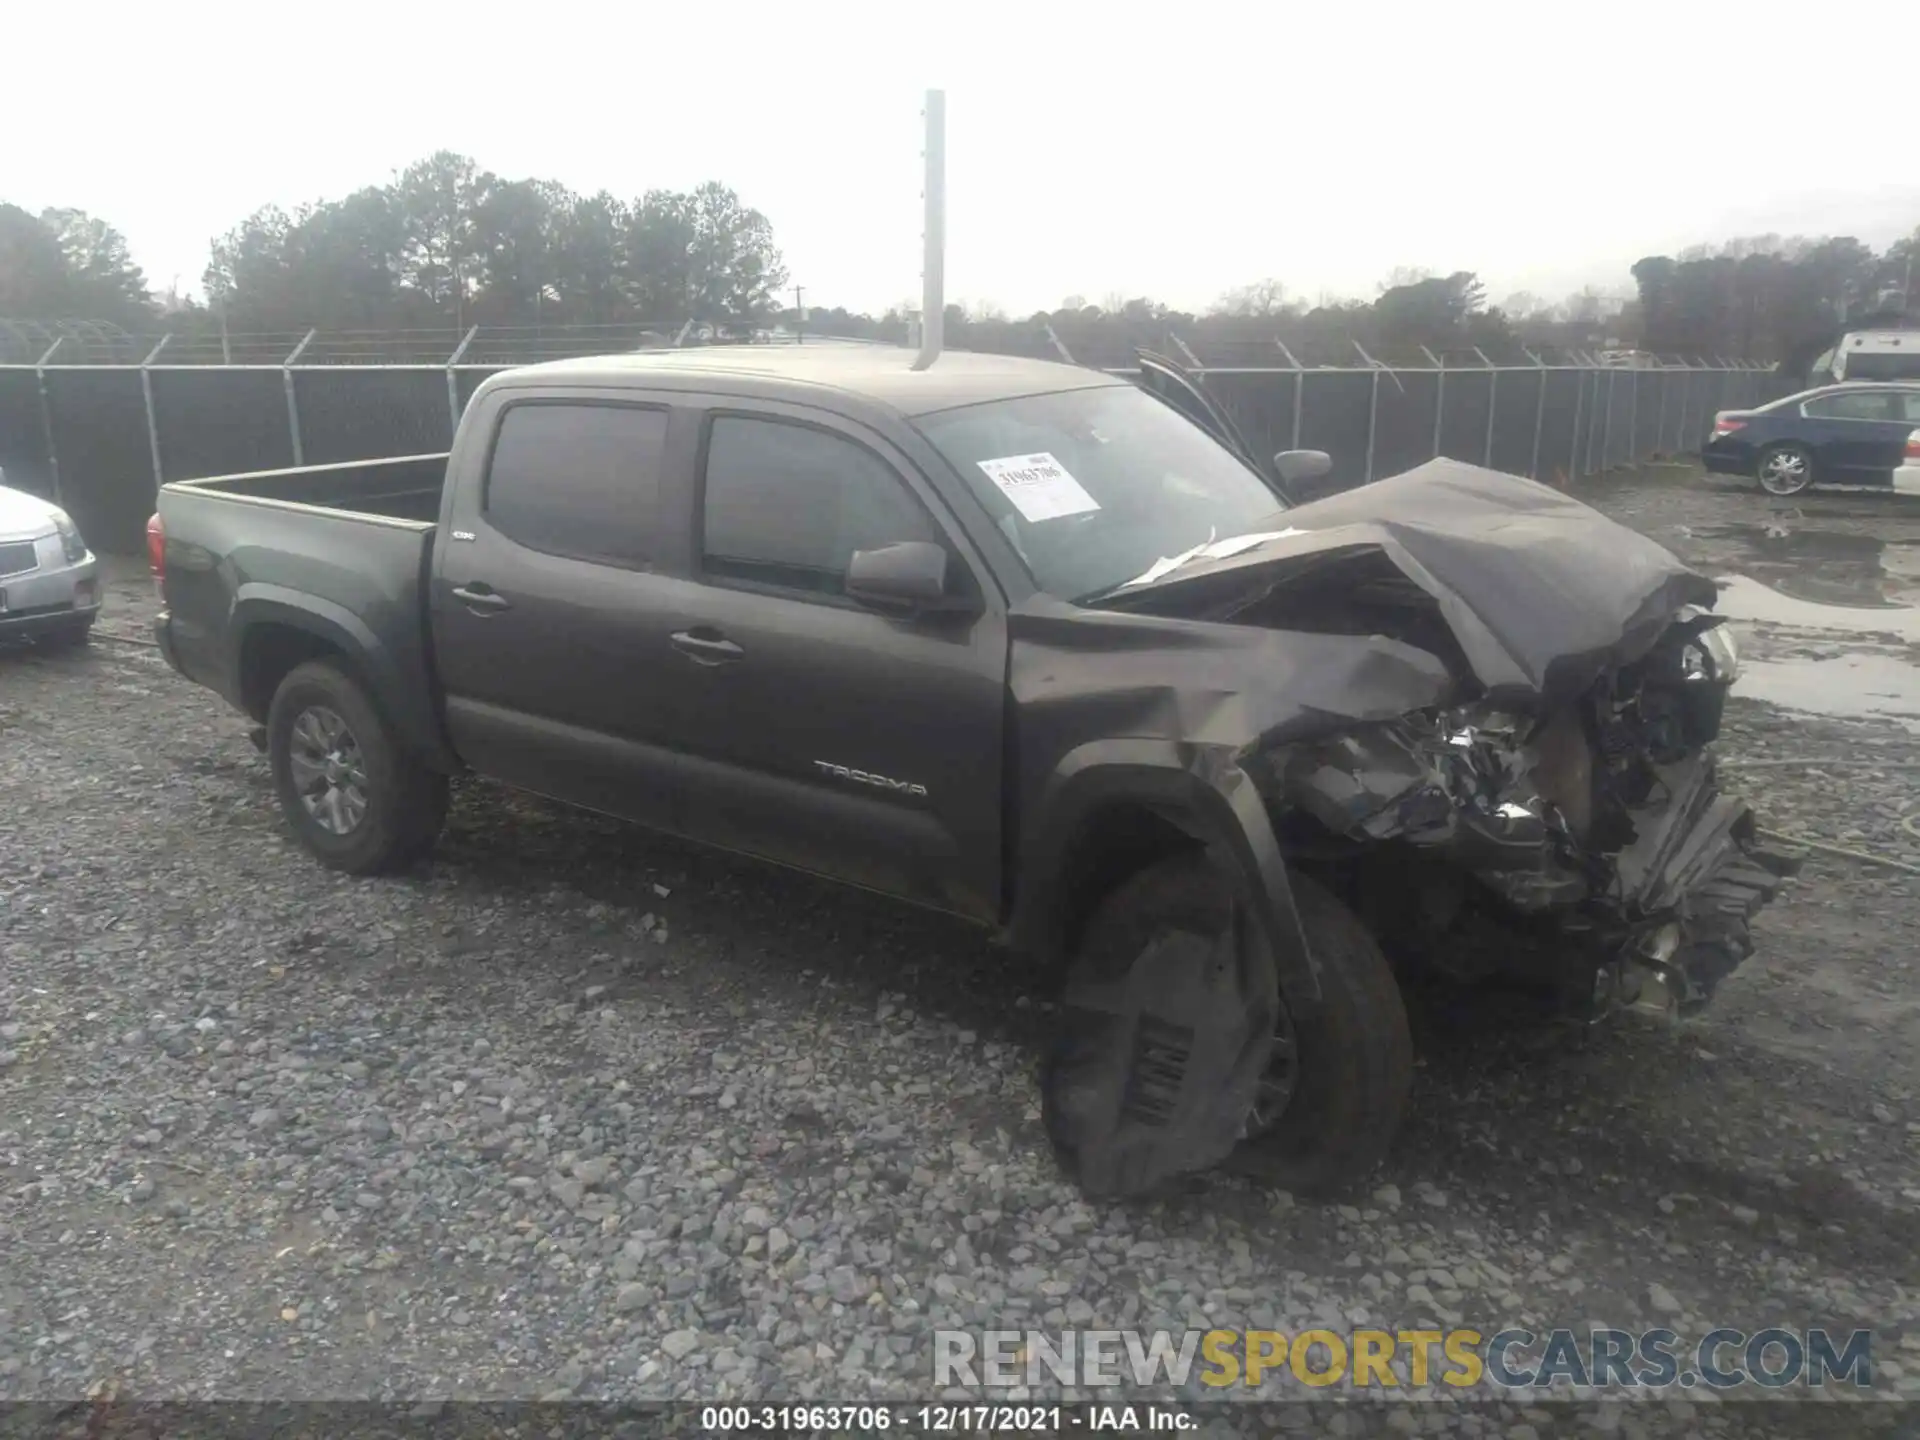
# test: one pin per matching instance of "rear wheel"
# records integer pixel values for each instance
(354, 797)
(1784, 469)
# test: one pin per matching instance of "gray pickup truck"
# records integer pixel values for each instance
(1040, 647)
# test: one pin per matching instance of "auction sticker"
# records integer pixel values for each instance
(1039, 486)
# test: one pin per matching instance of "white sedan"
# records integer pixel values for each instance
(49, 580)
(1906, 479)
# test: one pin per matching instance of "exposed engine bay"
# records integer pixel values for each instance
(1605, 810)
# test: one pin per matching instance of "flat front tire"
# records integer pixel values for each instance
(1327, 1107)
(353, 796)
(1351, 1070)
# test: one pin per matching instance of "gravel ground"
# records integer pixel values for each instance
(576, 1111)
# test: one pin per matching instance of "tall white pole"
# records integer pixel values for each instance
(933, 305)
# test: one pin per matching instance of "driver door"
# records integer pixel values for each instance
(819, 733)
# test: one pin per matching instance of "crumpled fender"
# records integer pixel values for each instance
(1154, 1070)
(1164, 712)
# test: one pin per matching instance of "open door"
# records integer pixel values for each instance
(1161, 377)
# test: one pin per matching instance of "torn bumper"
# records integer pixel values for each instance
(1692, 880)
(1605, 815)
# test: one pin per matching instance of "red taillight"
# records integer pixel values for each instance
(1913, 447)
(156, 547)
(1723, 426)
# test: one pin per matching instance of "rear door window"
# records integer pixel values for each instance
(1853, 405)
(578, 479)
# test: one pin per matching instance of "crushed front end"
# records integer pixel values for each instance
(1596, 827)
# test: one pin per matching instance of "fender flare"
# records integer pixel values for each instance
(1204, 792)
(405, 702)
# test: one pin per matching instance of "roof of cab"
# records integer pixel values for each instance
(882, 373)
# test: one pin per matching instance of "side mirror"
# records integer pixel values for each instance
(1295, 466)
(911, 575)
(1300, 470)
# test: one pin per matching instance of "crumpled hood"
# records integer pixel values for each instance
(1541, 592)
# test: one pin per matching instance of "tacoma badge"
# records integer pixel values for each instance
(865, 777)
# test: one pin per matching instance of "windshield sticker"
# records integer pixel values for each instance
(1039, 486)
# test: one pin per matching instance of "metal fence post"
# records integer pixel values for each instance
(1439, 401)
(1299, 390)
(1606, 422)
(1373, 407)
(1680, 425)
(453, 386)
(1633, 418)
(46, 415)
(293, 405)
(1539, 415)
(1579, 408)
(153, 419)
(1493, 402)
(1660, 423)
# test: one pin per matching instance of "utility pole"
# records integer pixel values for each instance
(933, 270)
(799, 315)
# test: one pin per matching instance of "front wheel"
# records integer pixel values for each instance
(352, 794)
(1156, 1067)
(1785, 469)
(1331, 1103)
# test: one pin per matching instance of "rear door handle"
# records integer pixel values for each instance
(480, 596)
(710, 648)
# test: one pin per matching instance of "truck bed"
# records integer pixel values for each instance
(339, 552)
(404, 488)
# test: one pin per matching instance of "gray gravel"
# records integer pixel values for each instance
(576, 1111)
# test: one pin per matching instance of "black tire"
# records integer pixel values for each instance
(1354, 1067)
(1352, 1054)
(1784, 469)
(403, 803)
(68, 635)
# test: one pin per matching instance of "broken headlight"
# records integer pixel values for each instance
(1711, 657)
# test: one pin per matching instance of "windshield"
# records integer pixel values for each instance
(1094, 486)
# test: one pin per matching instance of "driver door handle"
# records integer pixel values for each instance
(480, 596)
(705, 646)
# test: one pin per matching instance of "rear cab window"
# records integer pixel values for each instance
(578, 478)
(785, 505)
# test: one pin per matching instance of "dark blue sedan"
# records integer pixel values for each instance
(1855, 434)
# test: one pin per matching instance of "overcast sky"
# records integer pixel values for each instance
(1170, 150)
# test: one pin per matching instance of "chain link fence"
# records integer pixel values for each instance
(101, 438)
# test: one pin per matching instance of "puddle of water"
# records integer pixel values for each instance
(1865, 680)
(1820, 616)
(1860, 686)
(1747, 599)
(1823, 567)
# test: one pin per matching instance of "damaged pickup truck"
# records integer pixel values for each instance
(1040, 647)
